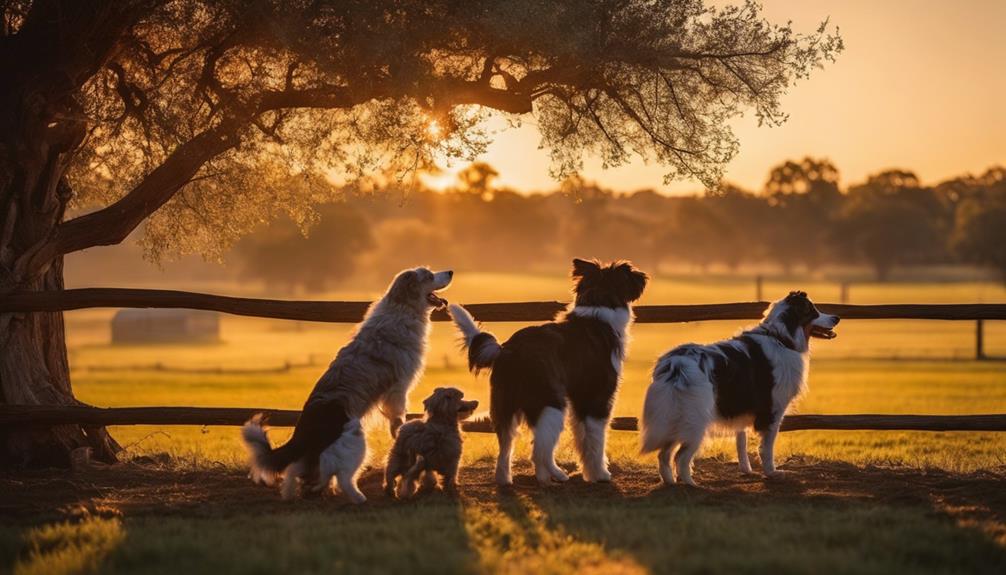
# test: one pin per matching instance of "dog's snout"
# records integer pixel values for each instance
(475, 404)
(836, 319)
(450, 273)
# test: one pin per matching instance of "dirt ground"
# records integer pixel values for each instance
(149, 488)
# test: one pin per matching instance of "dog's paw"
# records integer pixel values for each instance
(544, 479)
(406, 490)
(747, 471)
(560, 476)
(600, 477)
(776, 474)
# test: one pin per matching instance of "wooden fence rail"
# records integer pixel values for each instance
(25, 415)
(351, 312)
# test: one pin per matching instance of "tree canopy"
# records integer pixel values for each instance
(199, 110)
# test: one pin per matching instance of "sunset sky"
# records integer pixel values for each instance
(920, 85)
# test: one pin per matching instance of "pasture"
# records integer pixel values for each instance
(859, 501)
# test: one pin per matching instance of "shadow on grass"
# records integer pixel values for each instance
(824, 516)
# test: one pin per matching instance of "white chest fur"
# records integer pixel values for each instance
(789, 370)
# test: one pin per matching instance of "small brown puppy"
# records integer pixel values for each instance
(431, 445)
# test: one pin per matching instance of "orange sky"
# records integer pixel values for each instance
(921, 85)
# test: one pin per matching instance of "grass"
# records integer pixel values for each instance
(932, 505)
(521, 537)
(70, 547)
(825, 516)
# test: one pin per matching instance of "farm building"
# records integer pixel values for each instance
(165, 325)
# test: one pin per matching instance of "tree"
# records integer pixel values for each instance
(805, 200)
(892, 220)
(191, 115)
(501, 231)
(738, 218)
(981, 234)
(477, 178)
(980, 228)
(289, 257)
(694, 234)
(406, 242)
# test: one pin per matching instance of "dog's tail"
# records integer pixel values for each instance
(266, 462)
(483, 348)
(661, 405)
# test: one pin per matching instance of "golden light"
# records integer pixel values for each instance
(441, 180)
(434, 130)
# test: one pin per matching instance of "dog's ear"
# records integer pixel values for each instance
(635, 281)
(405, 288)
(583, 268)
(797, 294)
(430, 403)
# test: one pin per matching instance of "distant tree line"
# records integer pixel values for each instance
(801, 219)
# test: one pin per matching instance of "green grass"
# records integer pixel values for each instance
(69, 547)
(526, 533)
(563, 530)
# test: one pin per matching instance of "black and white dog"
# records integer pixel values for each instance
(748, 380)
(575, 360)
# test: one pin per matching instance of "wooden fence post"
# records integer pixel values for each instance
(758, 288)
(980, 340)
(843, 296)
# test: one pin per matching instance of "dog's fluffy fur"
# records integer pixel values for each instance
(377, 368)
(747, 380)
(575, 360)
(432, 445)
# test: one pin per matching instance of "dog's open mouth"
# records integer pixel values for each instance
(436, 301)
(821, 332)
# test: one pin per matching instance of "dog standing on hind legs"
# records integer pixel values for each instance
(376, 369)
(750, 379)
(574, 361)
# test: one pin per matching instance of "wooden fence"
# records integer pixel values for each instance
(351, 312)
(44, 416)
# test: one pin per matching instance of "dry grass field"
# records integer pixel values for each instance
(858, 502)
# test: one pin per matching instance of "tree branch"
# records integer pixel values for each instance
(461, 92)
(112, 224)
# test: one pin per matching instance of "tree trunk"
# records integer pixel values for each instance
(34, 371)
(33, 361)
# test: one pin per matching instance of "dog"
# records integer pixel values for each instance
(748, 380)
(432, 445)
(575, 360)
(376, 369)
